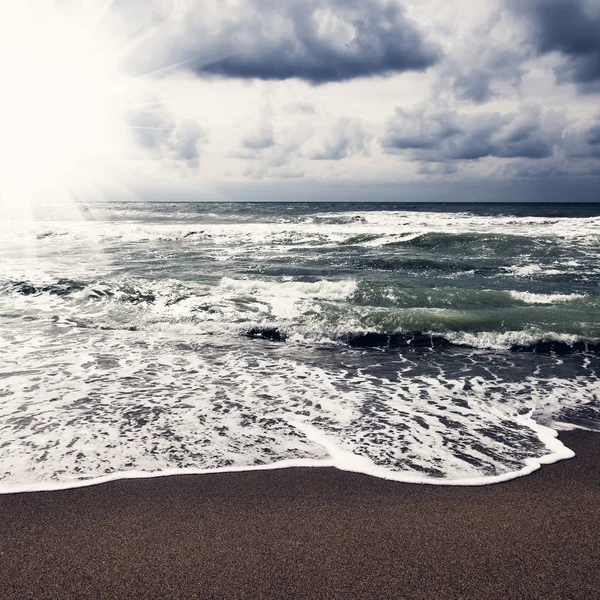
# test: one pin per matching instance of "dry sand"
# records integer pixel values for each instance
(309, 533)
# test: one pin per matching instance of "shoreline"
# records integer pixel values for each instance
(339, 461)
(311, 533)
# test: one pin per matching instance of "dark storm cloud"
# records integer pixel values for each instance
(593, 136)
(570, 27)
(431, 135)
(318, 41)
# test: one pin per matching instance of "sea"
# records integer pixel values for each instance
(441, 344)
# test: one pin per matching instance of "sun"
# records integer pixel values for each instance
(62, 101)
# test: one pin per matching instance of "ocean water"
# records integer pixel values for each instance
(440, 343)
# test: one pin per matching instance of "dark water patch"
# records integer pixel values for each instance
(417, 264)
(272, 334)
(419, 339)
(62, 287)
(137, 297)
(559, 347)
(196, 234)
(97, 291)
(475, 242)
(498, 246)
(50, 234)
(396, 340)
(425, 340)
(546, 320)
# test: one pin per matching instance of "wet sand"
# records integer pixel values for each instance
(309, 533)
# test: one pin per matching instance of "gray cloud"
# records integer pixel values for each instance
(437, 169)
(263, 137)
(476, 82)
(155, 128)
(259, 141)
(301, 107)
(187, 142)
(276, 160)
(432, 135)
(346, 139)
(318, 41)
(490, 56)
(152, 125)
(583, 142)
(570, 27)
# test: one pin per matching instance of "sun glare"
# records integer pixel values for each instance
(61, 103)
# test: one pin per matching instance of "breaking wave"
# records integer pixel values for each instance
(349, 312)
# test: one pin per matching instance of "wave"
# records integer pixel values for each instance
(461, 298)
(475, 241)
(356, 293)
(513, 341)
(358, 314)
(419, 229)
(464, 223)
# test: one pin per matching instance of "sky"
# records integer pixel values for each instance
(320, 99)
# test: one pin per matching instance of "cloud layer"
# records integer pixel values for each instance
(318, 41)
(432, 135)
(357, 90)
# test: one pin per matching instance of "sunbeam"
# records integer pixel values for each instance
(63, 110)
(71, 91)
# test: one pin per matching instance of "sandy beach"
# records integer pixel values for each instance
(309, 533)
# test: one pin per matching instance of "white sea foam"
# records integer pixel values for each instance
(410, 221)
(391, 226)
(524, 270)
(326, 290)
(531, 298)
(503, 340)
(87, 406)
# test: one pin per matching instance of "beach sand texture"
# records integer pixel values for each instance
(310, 533)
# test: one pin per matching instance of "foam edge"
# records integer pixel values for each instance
(341, 459)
